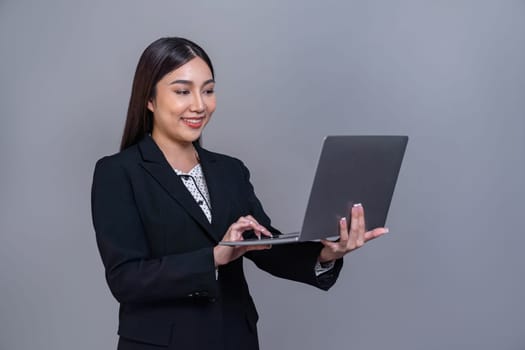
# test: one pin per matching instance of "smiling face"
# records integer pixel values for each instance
(183, 103)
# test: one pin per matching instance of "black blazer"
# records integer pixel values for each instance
(157, 248)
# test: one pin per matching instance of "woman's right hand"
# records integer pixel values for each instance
(225, 254)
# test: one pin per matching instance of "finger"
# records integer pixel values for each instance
(255, 227)
(251, 218)
(334, 246)
(233, 234)
(242, 226)
(245, 224)
(361, 229)
(343, 230)
(236, 230)
(244, 220)
(351, 244)
(259, 229)
(258, 247)
(377, 232)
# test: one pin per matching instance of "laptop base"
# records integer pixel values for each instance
(281, 239)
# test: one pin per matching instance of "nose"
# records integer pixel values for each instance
(197, 104)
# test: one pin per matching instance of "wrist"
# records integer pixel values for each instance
(217, 257)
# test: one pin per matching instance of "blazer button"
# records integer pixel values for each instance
(212, 300)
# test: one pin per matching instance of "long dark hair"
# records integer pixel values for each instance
(160, 57)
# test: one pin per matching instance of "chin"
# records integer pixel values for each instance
(192, 136)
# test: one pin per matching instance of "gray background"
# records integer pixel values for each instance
(450, 74)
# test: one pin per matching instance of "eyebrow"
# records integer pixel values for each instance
(189, 82)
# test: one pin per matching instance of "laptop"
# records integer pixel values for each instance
(350, 170)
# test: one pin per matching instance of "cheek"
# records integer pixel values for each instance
(211, 105)
(175, 104)
(169, 103)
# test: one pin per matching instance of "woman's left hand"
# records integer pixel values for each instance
(352, 240)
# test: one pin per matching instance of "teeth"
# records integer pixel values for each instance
(193, 121)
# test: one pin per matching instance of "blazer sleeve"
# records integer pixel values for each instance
(294, 262)
(132, 275)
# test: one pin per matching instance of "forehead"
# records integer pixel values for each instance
(194, 70)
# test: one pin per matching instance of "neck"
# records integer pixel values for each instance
(180, 155)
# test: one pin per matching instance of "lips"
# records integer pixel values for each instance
(194, 123)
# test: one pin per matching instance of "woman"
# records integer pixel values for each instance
(162, 204)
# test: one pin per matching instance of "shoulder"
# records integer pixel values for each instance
(119, 160)
(220, 158)
(233, 167)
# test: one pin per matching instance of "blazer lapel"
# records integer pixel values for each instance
(157, 166)
(217, 181)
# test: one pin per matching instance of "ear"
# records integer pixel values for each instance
(151, 105)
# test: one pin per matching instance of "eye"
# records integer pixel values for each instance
(209, 91)
(182, 92)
